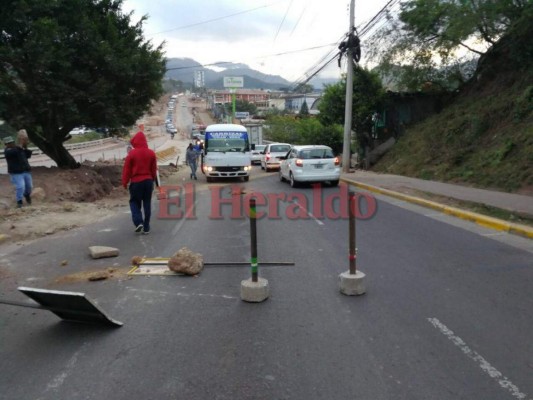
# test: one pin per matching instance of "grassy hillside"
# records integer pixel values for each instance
(485, 137)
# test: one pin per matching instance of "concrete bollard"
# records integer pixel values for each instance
(255, 289)
(352, 281)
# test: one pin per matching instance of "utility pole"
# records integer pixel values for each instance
(346, 157)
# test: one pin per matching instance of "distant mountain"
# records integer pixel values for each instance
(182, 69)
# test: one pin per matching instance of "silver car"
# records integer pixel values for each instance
(271, 154)
(256, 153)
(310, 164)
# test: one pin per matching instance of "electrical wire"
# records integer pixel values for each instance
(283, 20)
(255, 58)
(217, 19)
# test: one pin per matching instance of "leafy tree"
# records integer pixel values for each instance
(430, 35)
(245, 106)
(287, 129)
(367, 98)
(71, 62)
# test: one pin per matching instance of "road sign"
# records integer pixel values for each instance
(233, 82)
(242, 114)
(70, 306)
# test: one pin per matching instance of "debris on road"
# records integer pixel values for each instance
(186, 262)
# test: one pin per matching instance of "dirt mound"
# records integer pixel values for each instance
(90, 182)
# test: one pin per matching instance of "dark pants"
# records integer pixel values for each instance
(141, 196)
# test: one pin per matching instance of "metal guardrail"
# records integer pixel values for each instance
(73, 146)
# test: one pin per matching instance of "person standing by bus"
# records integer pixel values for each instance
(192, 160)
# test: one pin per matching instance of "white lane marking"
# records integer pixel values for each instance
(107, 230)
(59, 379)
(308, 213)
(502, 380)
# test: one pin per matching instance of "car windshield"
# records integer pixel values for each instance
(280, 148)
(315, 153)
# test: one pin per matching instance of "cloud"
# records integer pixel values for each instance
(217, 21)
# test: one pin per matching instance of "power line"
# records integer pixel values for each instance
(255, 58)
(308, 78)
(283, 20)
(365, 28)
(217, 19)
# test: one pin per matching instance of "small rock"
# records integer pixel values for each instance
(98, 276)
(64, 262)
(103, 251)
(136, 260)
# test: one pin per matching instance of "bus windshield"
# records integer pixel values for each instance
(223, 142)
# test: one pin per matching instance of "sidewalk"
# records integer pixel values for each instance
(398, 186)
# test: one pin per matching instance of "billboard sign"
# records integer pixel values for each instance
(233, 82)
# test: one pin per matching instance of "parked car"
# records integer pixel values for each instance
(79, 130)
(310, 164)
(271, 154)
(256, 153)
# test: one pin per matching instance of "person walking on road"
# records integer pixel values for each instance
(18, 166)
(192, 160)
(140, 172)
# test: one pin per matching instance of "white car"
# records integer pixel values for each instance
(256, 153)
(270, 156)
(310, 164)
(80, 130)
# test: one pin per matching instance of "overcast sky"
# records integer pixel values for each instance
(253, 32)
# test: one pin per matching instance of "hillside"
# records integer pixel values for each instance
(183, 69)
(485, 136)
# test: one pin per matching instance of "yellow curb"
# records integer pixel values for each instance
(480, 219)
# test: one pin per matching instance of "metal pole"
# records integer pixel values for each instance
(351, 218)
(349, 100)
(253, 240)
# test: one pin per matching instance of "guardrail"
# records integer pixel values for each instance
(74, 146)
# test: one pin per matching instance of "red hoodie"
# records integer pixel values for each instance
(140, 163)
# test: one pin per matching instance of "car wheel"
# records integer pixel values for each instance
(281, 178)
(209, 179)
(246, 178)
(334, 183)
(267, 169)
(292, 181)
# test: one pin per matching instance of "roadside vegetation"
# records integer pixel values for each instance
(72, 62)
(485, 136)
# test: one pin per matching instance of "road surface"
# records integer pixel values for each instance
(447, 313)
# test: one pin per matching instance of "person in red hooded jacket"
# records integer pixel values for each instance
(140, 172)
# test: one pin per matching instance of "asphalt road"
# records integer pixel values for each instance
(447, 313)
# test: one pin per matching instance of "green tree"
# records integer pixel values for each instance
(71, 62)
(368, 96)
(428, 36)
(287, 129)
(304, 110)
(245, 106)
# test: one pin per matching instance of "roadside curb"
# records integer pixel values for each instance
(480, 219)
